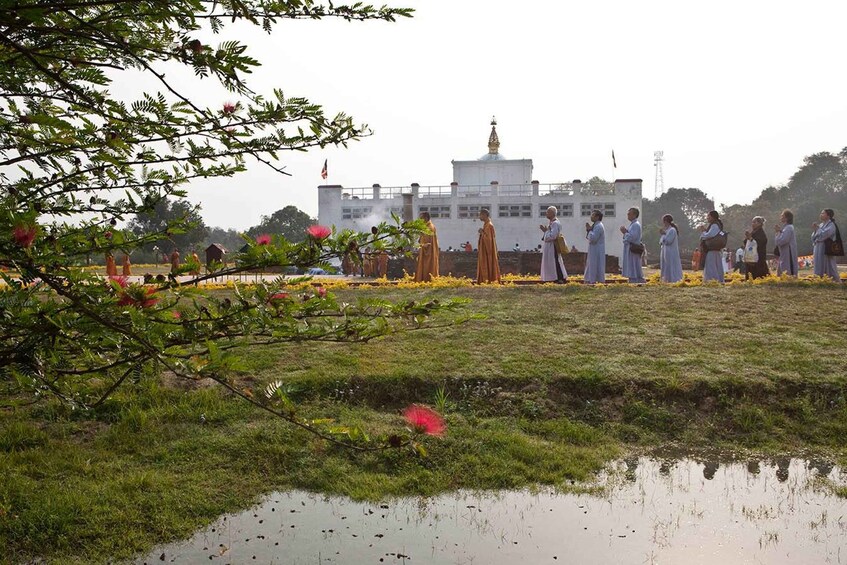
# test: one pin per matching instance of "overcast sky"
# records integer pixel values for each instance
(735, 93)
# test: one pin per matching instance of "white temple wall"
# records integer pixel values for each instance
(515, 217)
(470, 174)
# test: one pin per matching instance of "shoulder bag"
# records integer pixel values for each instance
(561, 245)
(717, 242)
(834, 247)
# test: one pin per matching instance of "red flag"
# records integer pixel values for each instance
(324, 171)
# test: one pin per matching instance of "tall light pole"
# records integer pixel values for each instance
(659, 188)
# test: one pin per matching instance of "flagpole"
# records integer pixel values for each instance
(614, 167)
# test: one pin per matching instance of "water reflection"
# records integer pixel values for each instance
(652, 511)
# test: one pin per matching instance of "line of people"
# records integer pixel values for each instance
(488, 260)
(826, 240)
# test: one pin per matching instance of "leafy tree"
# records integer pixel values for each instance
(290, 222)
(688, 206)
(230, 239)
(75, 161)
(819, 183)
(164, 213)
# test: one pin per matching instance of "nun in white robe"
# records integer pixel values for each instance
(786, 242)
(825, 265)
(631, 262)
(595, 260)
(552, 265)
(670, 262)
(713, 265)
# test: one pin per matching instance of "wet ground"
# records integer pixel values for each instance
(650, 511)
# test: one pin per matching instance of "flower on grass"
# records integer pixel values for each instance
(229, 107)
(264, 239)
(321, 292)
(319, 232)
(24, 234)
(425, 420)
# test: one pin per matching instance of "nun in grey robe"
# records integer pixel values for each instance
(825, 265)
(550, 257)
(670, 262)
(595, 261)
(786, 242)
(713, 264)
(631, 262)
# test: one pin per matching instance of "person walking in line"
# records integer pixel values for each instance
(670, 263)
(825, 265)
(428, 253)
(175, 261)
(786, 245)
(111, 268)
(595, 259)
(488, 262)
(711, 263)
(633, 248)
(751, 254)
(552, 265)
(758, 232)
(126, 266)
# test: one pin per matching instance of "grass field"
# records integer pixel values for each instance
(551, 384)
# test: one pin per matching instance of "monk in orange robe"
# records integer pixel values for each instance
(382, 263)
(111, 268)
(126, 268)
(367, 263)
(428, 254)
(174, 261)
(195, 260)
(488, 263)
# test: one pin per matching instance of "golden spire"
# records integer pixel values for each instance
(493, 140)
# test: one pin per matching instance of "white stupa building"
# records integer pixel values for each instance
(505, 187)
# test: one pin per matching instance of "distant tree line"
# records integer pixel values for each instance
(290, 222)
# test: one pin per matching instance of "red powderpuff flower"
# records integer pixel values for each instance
(263, 239)
(139, 299)
(149, 300)
(321, 292)
(24, 235)
(229, 107)
(278, 296)
(425, 420)
(121, 280)
(176, 314)
(319, 232)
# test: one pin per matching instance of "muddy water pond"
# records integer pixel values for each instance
(648, 511)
